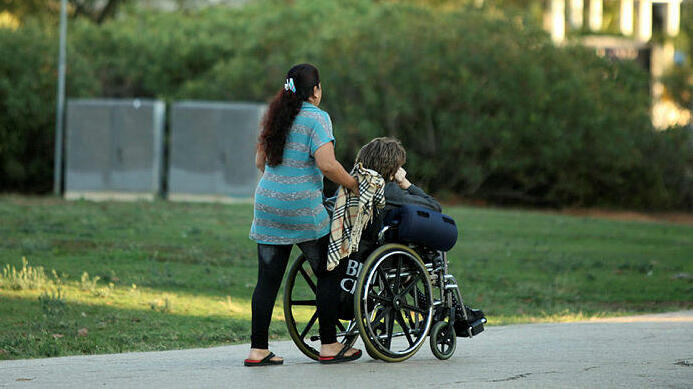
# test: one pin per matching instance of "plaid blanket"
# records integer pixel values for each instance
(352, 214)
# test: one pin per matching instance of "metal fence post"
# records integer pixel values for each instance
(59, 116)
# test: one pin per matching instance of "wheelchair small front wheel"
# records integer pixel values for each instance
(443, 340)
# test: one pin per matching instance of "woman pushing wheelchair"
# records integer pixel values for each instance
(295, 150)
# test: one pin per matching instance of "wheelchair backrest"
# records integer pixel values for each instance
(422, 226)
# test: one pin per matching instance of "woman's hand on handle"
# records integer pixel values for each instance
(355, 188)
(332, 169)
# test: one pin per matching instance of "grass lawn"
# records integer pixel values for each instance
(174, 275)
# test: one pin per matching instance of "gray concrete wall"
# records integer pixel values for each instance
(114, 148)
(212, 151)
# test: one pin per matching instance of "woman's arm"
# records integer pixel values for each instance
(332, 169)
(260, 158)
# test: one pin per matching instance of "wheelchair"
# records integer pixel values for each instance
(403, 294)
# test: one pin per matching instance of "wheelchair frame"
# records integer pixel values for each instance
(379, 289)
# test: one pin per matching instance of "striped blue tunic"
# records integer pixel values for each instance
(288, 198)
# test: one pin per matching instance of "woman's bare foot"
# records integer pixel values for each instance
(258, 354)
(332, 349)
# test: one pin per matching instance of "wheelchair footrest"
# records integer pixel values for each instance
(473, 325)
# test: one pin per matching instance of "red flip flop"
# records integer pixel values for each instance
(266, 361)
(339, 358)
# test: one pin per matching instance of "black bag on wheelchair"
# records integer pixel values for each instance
(423, 226)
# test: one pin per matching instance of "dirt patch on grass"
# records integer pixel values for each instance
(685, 218)
(29, 200)
(74, 246)
(671, 217)
(646, 306)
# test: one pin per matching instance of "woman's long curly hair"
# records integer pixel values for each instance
(283, 110)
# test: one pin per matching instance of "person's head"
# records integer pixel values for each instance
(302, 84)
(384, 155)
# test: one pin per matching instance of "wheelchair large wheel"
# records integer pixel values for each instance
(393, 303)
(301, 314)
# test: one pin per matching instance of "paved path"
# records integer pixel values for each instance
(640, 351)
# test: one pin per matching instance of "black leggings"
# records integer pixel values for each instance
(272, 261)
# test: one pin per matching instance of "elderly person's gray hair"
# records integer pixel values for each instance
(384, 155)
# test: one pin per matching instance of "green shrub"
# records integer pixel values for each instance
(53, 303)
(486, 105)
(28, 60)
(90, 284)
(679, 85)
(87, 283)
(162, 305)
(671, 154)
(27, 277)
(679, 79)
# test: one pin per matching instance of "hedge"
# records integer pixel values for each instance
(27, 106)
(485, 104)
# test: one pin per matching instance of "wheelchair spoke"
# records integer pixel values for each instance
(412, 325)
(381, 314)
(398, 275)
(413, 282)
(383, 277)
(403, 324)
(414, 309)
(340, 326)
(380, 298)
(390, 328)
(306, 277)
(309, 325)
(304, 302)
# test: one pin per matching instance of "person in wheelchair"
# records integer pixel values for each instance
(396, 289)
(387, 156)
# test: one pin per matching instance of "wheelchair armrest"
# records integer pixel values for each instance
(381, 234)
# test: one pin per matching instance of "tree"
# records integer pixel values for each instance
(679, 80)
(95, 10)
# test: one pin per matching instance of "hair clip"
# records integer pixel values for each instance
(289, 85)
